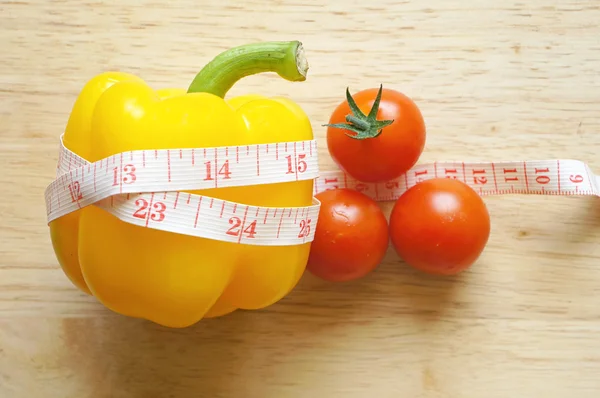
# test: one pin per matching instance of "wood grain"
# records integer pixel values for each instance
(495, 81)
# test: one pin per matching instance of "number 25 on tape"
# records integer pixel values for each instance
(304, 228)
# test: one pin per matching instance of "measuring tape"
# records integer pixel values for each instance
(535, 177)
(143, 188)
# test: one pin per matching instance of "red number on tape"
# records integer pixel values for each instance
(543, 179)
(418, 174)
(511, 178)
(223, 171)
(479, 179)
(329, 181)
(301, 164)
(392, 184)
(304, 228)
(235, 229)
(451, 173)
(127, 177)
(361, 187)
(157, 213)
(75, 190)
(576, 178)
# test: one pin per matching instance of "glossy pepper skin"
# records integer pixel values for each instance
(172, 279)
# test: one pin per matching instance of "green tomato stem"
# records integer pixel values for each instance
(363, 126)
(287, 59)
(360, 124)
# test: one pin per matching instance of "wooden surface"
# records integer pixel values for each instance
(495, 80)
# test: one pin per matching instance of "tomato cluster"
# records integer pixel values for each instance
(439, 226)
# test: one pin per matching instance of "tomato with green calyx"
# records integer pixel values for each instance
(440, 226)
(351, 237)
(377, 135)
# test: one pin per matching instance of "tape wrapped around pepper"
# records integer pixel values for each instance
(173, 279)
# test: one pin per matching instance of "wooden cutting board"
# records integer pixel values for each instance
(495, 81)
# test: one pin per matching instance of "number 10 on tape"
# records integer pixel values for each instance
(144, 188)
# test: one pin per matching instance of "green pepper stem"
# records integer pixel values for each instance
(284, 58)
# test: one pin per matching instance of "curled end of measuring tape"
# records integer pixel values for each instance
(144, 188)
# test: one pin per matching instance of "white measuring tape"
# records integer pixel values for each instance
(535, 177)
(142, 187)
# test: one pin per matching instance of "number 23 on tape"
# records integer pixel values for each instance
(143, 188)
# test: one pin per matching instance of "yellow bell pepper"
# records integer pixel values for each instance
(172, 279)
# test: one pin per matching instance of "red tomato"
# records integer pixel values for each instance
(351, 237)
(440, 226)
(380, 140)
